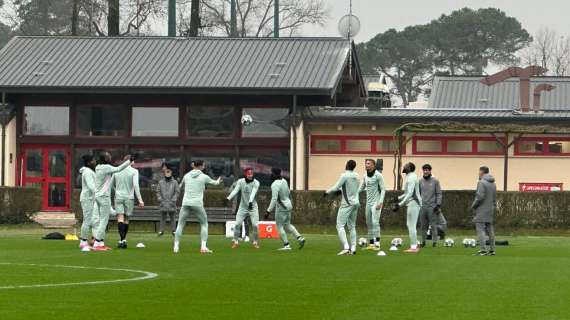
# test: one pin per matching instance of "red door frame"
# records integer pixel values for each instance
(45, 179)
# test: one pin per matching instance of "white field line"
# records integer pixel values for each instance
(145, 275)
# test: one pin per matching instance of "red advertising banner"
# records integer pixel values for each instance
(539, 187)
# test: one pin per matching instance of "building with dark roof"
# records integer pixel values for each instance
(168, 100)
(474, 122)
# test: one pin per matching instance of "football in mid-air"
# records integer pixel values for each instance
(448, 242)
(246, 120)
(362, 242)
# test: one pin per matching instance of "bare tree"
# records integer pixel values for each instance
(550, 51)
(134, 15)
(255, 17)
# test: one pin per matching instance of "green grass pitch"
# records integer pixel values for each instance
(528, 280)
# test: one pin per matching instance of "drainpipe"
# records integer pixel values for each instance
(5, 115)
(294, 155)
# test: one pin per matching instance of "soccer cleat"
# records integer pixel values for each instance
(344, 252)
(423, 244)
(255, 245)
(352, 253)
(176, 247)
(370, 247)
(206, 251)
(246, 239)
(434, 244)
(301, 243)
(376, 247)
(101, 248)
(491, 253)
(160, 234)
(480, 253)
(235, 244)
(412, 250)
(84, 245)
(285, 248)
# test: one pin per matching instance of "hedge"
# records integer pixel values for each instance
(515, 209)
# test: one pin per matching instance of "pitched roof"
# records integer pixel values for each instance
(326, 114)
(470, 93)
(182, 65)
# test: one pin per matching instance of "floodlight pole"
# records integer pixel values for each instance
(276, 18)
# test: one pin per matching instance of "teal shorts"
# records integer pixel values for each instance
(125, 207)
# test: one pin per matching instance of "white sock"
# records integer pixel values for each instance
(204, 245)
(414, 246)
(353, 249)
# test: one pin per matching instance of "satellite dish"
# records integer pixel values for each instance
(349, 26)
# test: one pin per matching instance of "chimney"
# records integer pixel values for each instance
(536, 96)
(524, 81)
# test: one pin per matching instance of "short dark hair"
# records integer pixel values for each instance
(350, 165)
(198, 163)
(276, 171)
(87, 158)
(411, 166)
(426, 166)
(484, 169)
(371, 160)
(102, 157)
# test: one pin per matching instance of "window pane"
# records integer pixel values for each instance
(117, 155)
(107, 121)
(262, 160)
(219, 163)
(211, 122)
(46, 121)
(459, 146)
(57, 164)
(428, 146)
(34, 163)
(530, 146)
(56, 195)
(385, 146)
(270, 123)
(150, 161)
(559, 146)
(359, 145)
(489, 147)
(155, 122)
(326, 145)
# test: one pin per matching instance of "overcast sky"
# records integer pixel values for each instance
(377, 16)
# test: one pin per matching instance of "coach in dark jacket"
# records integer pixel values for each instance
(484, 207)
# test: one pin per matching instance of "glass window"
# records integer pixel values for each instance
(267, 123)
(155, 122)
(46, 121)
(327, 145)
(109, 121)
(360, 145)
(262, 160)
(488, 146)
(385, 146)
(211, 122)
(460, 146)
(117, 155)
(428, 146)
(56, 194)
(57, 164)
(150, 163)
(34, 163)
(530, 146)
(219, 163)
(559, 147)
